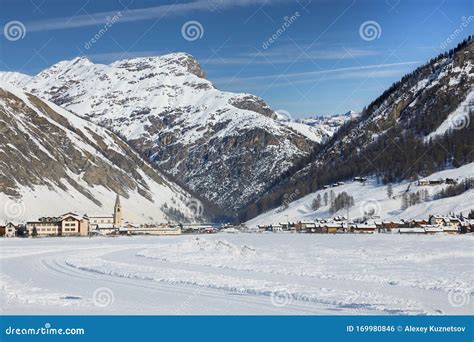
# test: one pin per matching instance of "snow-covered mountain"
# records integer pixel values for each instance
(420, 125)
(320, 128)
(227, 147)
(15, 78)
(52, 161)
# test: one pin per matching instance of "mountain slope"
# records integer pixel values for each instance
(52, 161)
(372, 196)
(227, 147)
(420, 125)
(320, 128)
(15, 78)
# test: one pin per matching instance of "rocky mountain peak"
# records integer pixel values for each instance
(226, 146)
(177, 64)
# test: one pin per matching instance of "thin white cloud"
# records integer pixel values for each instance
(138, 14)
(364, 71)
(331, 71)
(289, 55)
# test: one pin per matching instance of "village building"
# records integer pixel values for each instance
(430, 229)
(107, 224)
(414, 230)
(45, 226)
(389, 226)
(307, 226)
(450, 229)
(10, 230)
(423, 182)
(72, 224)
(467, 226)
(418, 223)
(276, 228)
(364, 228)
(68, 224)
(329, 227)
(155, 230)
(452, 222)
(190, 228)
(447, 221)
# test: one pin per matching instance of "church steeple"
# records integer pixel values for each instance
(117, 212)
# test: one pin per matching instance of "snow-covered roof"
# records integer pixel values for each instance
(73, 215)
(365, 226)
(411, 230)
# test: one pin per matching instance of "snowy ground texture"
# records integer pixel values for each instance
(294, 274)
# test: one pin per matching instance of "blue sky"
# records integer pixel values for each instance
(321, 61)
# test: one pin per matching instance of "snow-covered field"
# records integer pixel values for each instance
(238, 274)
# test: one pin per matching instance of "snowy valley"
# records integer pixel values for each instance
(225, 274)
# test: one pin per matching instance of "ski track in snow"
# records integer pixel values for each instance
(239, 274)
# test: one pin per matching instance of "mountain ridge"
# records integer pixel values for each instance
(49, 153)
(225, 146)
(388, 139)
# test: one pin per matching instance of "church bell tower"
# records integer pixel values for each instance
(117, 212)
